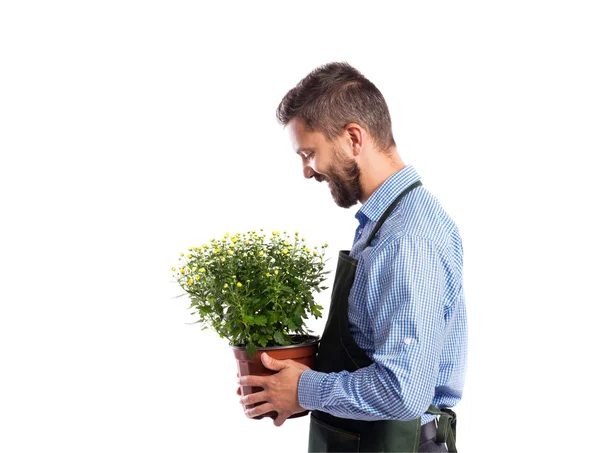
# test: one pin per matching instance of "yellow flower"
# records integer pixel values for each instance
(182, 271)
(239, 284)
(246, 242)
(234, 240)
(286, 243)
(276, 271)
(202, 269)
(275, 233)
(230, 252)
(189, 249)
(189, 256)
(222, 259)
(190, 281)
(267, 274)
(194, 269)
(251, 253)
(205, 246)
(303, 239)
(261, 253)
(197, 277)
(307, 250)
(326, 245)
(315, 253)
(284, 251)
(181, 254)
(225, 285)
(226, 235)
(172, 268)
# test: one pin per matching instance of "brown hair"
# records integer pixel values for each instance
(333, 95)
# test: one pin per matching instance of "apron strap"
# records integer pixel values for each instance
(389, 210)
(446, 431)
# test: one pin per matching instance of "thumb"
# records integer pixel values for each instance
(280, 420)
(271, 363)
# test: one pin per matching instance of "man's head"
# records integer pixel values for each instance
(337, 121)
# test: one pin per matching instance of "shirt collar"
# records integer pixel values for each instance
(385, 194)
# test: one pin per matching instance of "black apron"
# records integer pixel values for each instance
(337, 352)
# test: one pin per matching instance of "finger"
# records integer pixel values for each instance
(281, 418)
(239, 391)
(271, 363)
(254, 398)
(253, 381)
(259, 410)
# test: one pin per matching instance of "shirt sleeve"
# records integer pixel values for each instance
(405, 298)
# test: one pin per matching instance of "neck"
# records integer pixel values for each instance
(377, 170)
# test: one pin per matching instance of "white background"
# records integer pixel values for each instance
(130, 131)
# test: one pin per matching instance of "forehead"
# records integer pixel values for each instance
(302, 138)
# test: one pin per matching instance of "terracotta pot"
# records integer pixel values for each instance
(305, 353)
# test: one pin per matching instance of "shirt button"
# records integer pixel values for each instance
(407, 341)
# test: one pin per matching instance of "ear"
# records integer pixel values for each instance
(355, 137)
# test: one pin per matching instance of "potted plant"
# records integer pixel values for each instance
(256, 290)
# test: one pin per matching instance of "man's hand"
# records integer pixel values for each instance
(280, 390)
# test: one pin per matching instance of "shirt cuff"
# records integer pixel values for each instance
(309, 389)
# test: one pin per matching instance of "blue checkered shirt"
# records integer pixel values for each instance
(406, 310)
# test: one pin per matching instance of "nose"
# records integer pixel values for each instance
(308, 171)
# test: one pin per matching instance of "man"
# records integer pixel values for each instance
(392, 356)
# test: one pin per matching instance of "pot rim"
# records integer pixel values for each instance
(311, 340)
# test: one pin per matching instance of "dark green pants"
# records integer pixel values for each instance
(331, 434)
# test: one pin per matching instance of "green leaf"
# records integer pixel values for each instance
(250, 350)
(260, 320)
(278, 336)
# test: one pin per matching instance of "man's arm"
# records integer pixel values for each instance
(406, 286)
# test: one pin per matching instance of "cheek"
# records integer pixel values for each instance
(320, 166)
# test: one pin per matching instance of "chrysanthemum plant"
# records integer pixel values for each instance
(254, 289)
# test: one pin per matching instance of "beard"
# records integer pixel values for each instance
(344, 181)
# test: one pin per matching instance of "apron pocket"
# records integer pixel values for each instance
(323, 437)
